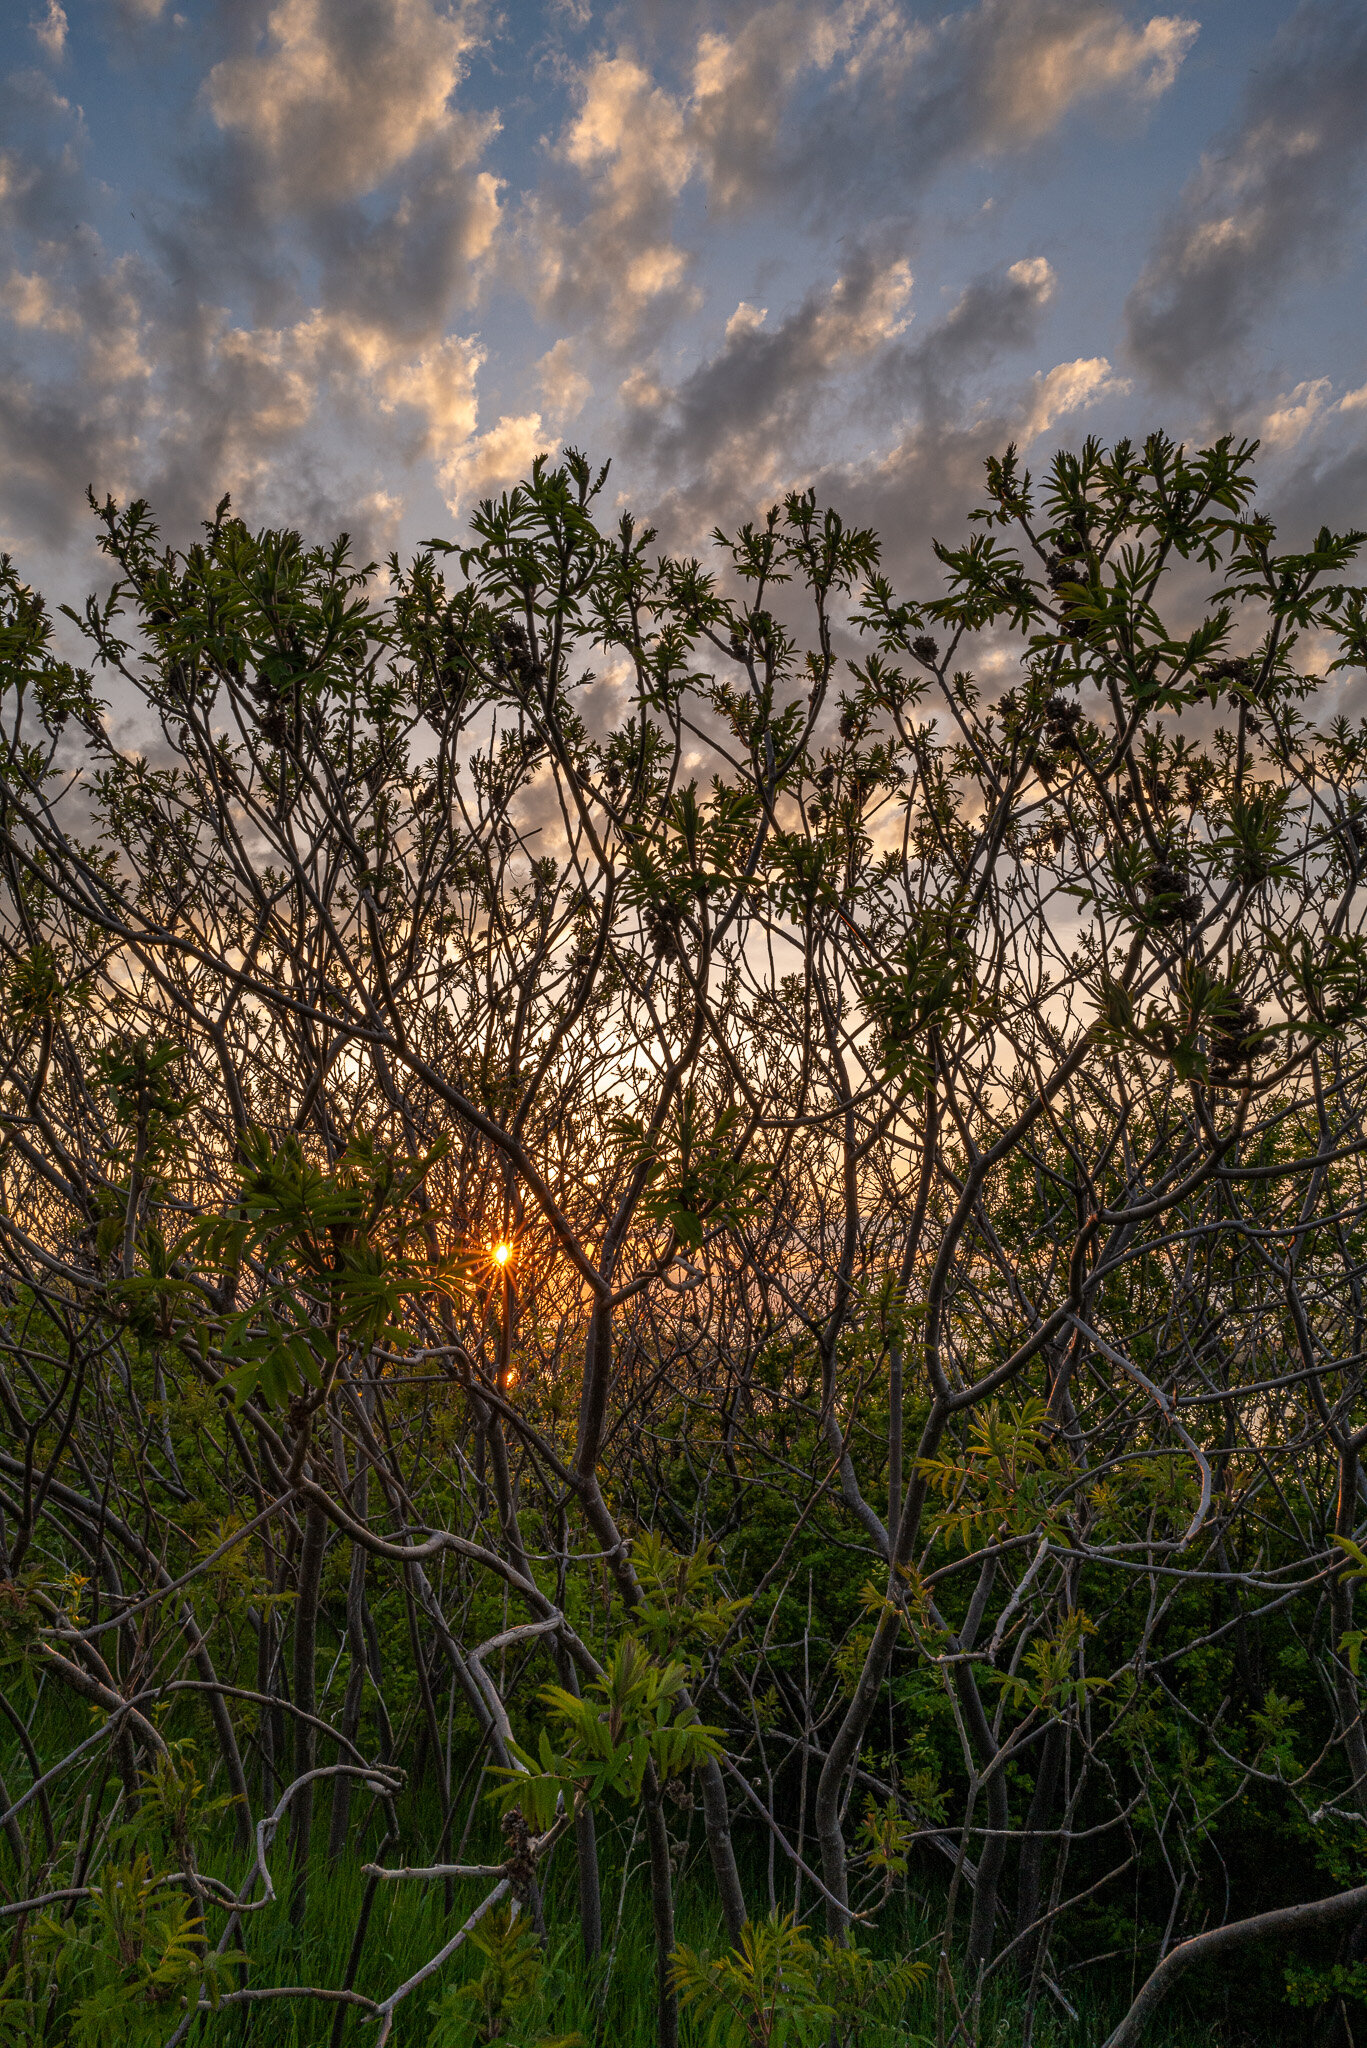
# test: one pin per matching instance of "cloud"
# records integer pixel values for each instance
(1269, 203)
(764, 112)
(402, 266)
(129, 387)
(745, 404)
(986, 78)
(710, 206)
(1296, 412)
(565, 390)
(629, 150)
(995, 315)
(342, 94)
(979, 81)
(31, 301)
(41, 181)
(496, 458)
(743, 83)
(846, 366)
(50, 28)
(1068, 387)
(1039, 61)
(746, 319)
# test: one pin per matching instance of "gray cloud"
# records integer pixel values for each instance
(763, 412)
(41, 134)
(987, 79)
(748, 399)
(342, 93)
(1270, 202)
(1324, 488)
(333, 203)
(756, 104)
(286, 333)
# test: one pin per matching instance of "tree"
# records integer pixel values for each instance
(919, 1124)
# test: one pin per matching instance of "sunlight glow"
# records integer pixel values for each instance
(502, 1254)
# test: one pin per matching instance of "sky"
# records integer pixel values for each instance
(358, 261)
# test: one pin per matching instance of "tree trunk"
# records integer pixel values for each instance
(305, 1691)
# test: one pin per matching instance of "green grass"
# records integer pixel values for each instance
(610, 2001)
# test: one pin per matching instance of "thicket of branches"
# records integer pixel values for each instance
(624, 1189)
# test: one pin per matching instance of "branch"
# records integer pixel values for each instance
(1286, 1922)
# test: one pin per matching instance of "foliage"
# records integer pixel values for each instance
(505, 2005)
(912, 1051)
(630, 1721)
(779, 1987)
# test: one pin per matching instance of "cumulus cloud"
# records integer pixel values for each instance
(494, 459)
(565, 390)
(335, 166)
(404, 265)
(132, 391)
(743, 404)
(50, 28)
(1040, 61)
(742, 82)
(1270, 201)
(1296, 412)
(746, 319)
(743, 128)
(41, 181)
(1068, 387)
(989, 77)
(847, 364)
(629, 147)
(978, 81)
(31, 301)
(694, 239)
(996, 313)
(342, 93)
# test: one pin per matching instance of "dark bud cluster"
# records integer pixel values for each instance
(662, 929)
(1061, 716)
(1232, 1043)
(272, 719)
(519, 1865)
(1236, 672)
(514, 660)
(1169, 900)
(926, 649)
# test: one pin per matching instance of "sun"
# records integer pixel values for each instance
(502, 1254)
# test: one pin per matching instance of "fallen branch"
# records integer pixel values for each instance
(1283, 1924)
